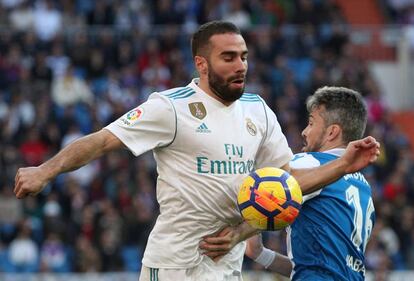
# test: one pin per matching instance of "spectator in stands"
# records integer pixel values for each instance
(69, 89)
(23, 251)
(58, 61)
(237, 14)
(47, 20)
(11, 213)
(54, 256)
(87, 258)
(34, 149)
(21, 18)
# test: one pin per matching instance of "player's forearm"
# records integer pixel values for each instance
(245, 231)
(77, 154)
(281, 264)
(312, 179)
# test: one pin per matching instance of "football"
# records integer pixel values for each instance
(269, 199)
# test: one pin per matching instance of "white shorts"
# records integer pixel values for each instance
(207, 270)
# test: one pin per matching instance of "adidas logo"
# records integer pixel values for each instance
(203, 129)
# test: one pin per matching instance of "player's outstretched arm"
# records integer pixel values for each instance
(32, 180)
(358, 155)
(266, 257)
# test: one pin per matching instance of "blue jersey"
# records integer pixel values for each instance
(328, 239)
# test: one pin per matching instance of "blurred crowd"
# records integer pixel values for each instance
(68, 68)
(399, 11)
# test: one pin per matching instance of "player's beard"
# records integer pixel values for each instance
(316, 146)
(221, 87)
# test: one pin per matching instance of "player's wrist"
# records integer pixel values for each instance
(266, 257)
(47, 172)
(341, 165)
(246, 231)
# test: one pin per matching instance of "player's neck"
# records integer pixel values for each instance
(331, 145)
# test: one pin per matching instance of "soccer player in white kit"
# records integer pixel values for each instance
(206, 137)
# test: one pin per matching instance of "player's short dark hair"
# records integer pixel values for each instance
(344, 107)
(200, 39)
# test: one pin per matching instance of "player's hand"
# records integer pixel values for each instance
(254, 246)
(29, 181)
(360, 153)
(218, 245)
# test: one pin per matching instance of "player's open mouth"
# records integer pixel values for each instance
(238, 81)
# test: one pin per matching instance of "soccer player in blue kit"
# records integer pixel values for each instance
(328, 239)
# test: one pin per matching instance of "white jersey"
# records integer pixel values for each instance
(203, 150)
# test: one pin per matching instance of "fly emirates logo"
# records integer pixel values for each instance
(233, 164)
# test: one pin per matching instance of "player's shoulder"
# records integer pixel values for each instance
(250, 98)
(304, 160)
(177, 93)
(323, 156)
(311, 159)
(253, 103)
(170, 97)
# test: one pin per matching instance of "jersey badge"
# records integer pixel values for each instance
(251, 127)
(134, 114)
(198, 110)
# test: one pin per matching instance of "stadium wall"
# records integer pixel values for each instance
(389, 77)
(396, 77)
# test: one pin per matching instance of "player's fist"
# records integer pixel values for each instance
(29, 181)
(360, 153)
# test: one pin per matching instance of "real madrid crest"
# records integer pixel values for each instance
(251, 127)
(198, 110)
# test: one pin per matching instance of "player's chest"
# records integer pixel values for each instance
(232, 134)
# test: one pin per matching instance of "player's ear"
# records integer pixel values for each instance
(201, 65)
(334, 132)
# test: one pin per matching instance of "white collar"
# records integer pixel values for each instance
(335, 151)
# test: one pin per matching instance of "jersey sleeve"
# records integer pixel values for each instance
(275, 150)
(148, 126)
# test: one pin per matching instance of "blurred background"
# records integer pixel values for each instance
(69, 67)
